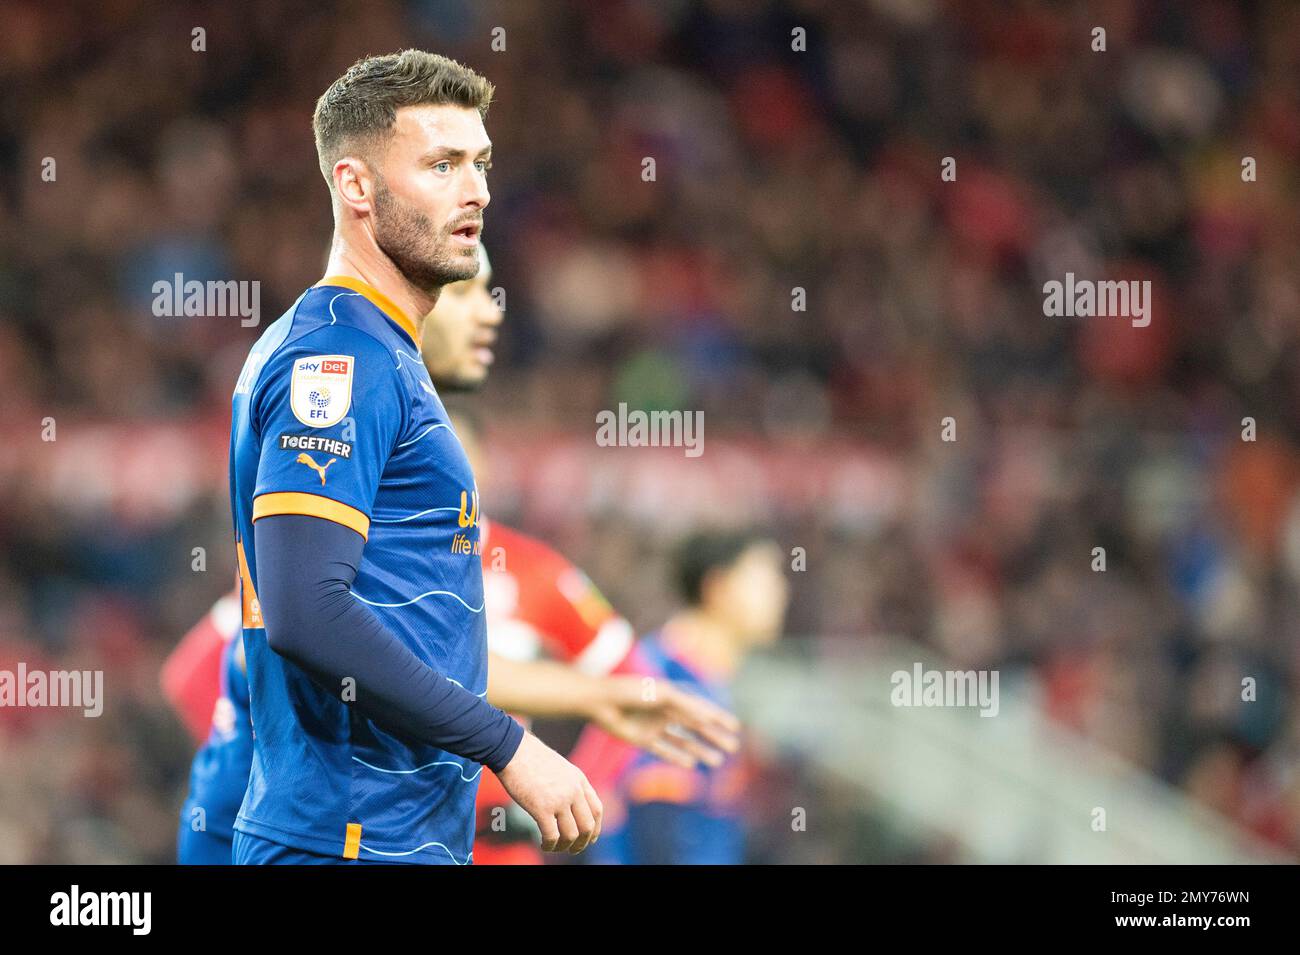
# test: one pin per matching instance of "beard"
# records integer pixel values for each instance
(411, 241)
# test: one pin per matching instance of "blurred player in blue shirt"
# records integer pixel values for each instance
(735, 593)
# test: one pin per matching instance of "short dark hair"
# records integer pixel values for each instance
(702, 552)
(360, 106)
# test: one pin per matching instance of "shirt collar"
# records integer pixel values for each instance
(378, 299)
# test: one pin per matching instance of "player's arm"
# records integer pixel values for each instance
(310, 526)
(652, 714)
(307, 566)
(600, 679)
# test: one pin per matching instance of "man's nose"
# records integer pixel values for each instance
(476, 191)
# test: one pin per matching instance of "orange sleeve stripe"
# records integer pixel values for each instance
(250, 607)
(352, 841)
(313, 505)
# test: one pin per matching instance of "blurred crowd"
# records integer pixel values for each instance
(797, 268)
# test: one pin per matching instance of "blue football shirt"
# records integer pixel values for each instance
(335, 416)
(662, 814)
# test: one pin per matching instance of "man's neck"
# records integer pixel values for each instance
(377, 270)
(705, 641)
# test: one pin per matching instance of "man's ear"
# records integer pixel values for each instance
(354, 184)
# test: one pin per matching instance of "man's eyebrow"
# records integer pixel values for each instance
(448, 152)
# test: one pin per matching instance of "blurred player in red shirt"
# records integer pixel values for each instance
(191, 674)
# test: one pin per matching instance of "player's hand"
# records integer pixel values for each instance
(556, 794)
(677, 726)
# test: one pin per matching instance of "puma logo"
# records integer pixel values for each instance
(305, 458)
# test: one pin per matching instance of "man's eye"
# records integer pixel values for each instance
(484, 165)
(443, 166)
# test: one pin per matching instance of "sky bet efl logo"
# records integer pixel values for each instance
(322, 389)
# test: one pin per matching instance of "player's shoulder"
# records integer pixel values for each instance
(674, 663)
(328, 318)
(337, 308)
(306, 342)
